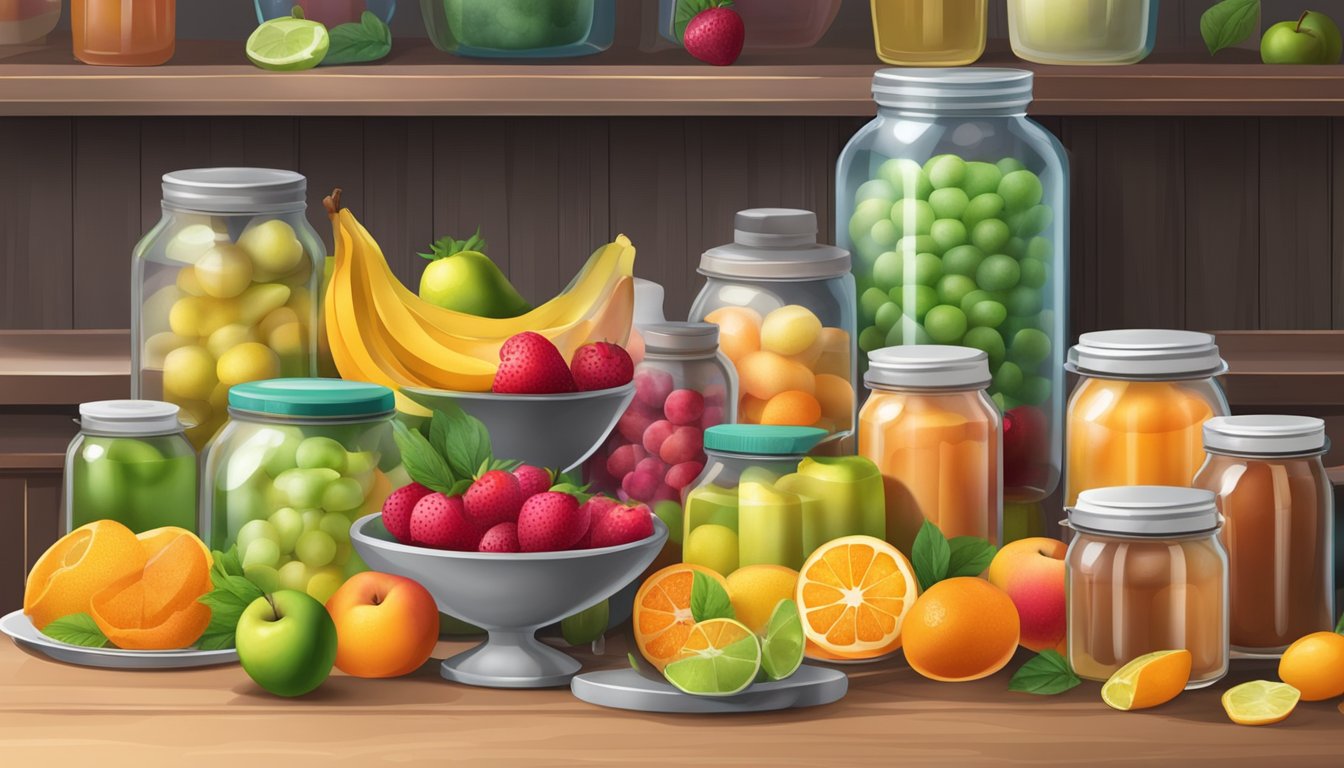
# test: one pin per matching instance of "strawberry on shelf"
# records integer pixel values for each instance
(713, 31)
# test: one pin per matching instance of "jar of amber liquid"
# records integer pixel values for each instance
(1146, 572)
(1136, 416)
(1278, 527)
(937, 438)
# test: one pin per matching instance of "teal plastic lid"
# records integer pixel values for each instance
(313, 398)
(763, 440)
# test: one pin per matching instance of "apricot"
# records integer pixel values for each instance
(766, 374)
(160, 610)
(739, 331)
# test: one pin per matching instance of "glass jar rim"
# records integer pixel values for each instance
(262, 417)
(1200, 534)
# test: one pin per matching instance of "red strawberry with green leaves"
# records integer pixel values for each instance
(714, 32)
(397, 508)
(440, 522)
(551, 522)
(493, 498)
(529, 364)
(601, 365)
(532, 480)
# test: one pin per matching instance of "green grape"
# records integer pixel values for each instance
(885, 233)
(320, 452)
(949, 203)
(335, 525)
(360, 462)
(906, 177)
(946, 171)
(293, 575)
(1035, 390)
(973, 298)
(316, 548)
(987, 314)
(283, 454)
(288, 525)
(953, 288)
(1024, 301)
(913, 217)
(312, 518)
(990, 236)
(1030, 347)
(887, 316)
(1033, 274)
(868, 251)
(342, 494)
(988, 341)
(1009, 164)
(1016, 247)
(1040, 249)
(261, 552)
(1020, 190)
(256, 530)
(265, 577)
(1008, 377)
(1034, 221)
(864, 266)
(948, 234)
(962, 260)
(304, 487)
(888, 272)
(875, 189)
(913, 244)
(997, 273)
(908, 331)
(869, 302)
(866, 214)
(928, 269)
(946, 324)
(981, 178)
(981, 208)
(916, 300)
(871, 338)
(998, 399)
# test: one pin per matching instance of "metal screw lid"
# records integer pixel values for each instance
(131, 418)
(1268, 435)
(680, 338)
(236, 190)
(1145, 510)
(927, 366)
(1146, 353)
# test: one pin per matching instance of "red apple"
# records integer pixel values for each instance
(386, 625)
(1031, 571)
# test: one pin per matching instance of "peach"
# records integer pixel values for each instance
(1031, 571)
(739, 331)
(766, 374)
(386, 625)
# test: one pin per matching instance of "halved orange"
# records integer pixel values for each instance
(662, 616)
(158, 611)
(154, 541)
(854, 593)
(82, 563)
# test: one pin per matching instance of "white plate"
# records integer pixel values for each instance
(25, 635)
(627, 689)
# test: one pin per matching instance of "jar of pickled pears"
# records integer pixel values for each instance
(297, 463)
(784, 305)
(1278, 526)
(1146, 572)
(930, 33)
(760, 499)
(1137, 414)
(28, 22)
(124, 33)
(935, 435)
(1082, 31)
(131, 463)
(226, 290)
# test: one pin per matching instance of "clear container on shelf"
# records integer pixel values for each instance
(225, 289)
(1082, 31)
(1146, 572)
(131, 463)
(936, 436)
(761, 499)
(955, 207)
(27, 22)
(121, 33)
(1278, 526)
(330, 13)
(1136, 416)
(297, 463)
(520, 28)
(930, 33)
(769, 23)
(784, 305)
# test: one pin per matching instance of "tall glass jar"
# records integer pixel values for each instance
(225, 290)
(930, 33)
(520, 28)
(131, 463)
(124, 33)
(784, 305)
(934, 433)
(1278, 526)
(328, 12)
(28, 22)
(1136, 416)
(955, 207)
(1146, 572)
(1082, 31)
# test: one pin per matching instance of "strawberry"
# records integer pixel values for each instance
(550, 522)
(597, 507)
(601, 366)
(495, 497)
(440, 522)
(623, 525)
(501, 538)
(397, 510)
(532, 480)
(714, 35)
(529, 364)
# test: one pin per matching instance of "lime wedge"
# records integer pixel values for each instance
(783, 646)
(288, 44)
(721, 657)
(1260, 702)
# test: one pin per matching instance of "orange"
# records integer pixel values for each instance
(961, 629)
(739, 331)
(1314, 665)
(792, 408)
(765, 374)
(79, 565)
(662, 616)
(160, 609)
(836, 398)
(816, 652)
(154, 541)
(1150, 680)
(750, 410)
(854, 593)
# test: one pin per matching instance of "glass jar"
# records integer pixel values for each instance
(1137, 414)
(769, 23)
(784, 305)
(520, 28)
(930, 33)
(28, 22)
(936, 436)
(1145, 572)
(124, 33)
(131, 463)
(225, 288)
(955, 207)
(762, 500)
(1278, 526)
(329, 12)
(297, 463)
(1082, 31)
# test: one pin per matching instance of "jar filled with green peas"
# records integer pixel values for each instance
(955, 208)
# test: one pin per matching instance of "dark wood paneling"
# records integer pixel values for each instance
(107, 221)
(1295, 224)
(30, 506)
(1080, 138)
(399, 191)
(331, 155)
(36, 245)
(1222, 223)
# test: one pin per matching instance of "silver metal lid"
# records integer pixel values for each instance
(236, 190)
(928, 366)
(1270, 435)
(680, 338)
(1145, 510)
(953, 89)
(134, 418)
(775, 244)
(1146, 353)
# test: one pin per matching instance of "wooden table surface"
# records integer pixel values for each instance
(53, 714)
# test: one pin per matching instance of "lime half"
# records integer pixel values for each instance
(783, 646)
(721, 657)
(288, 44)
(1260, 702)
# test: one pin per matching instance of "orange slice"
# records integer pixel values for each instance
(156, 540)
(854, 593)
(662, 616)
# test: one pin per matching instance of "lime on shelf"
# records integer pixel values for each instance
(288, 44)
(783, 646)
(721, 657)
(1260, 702)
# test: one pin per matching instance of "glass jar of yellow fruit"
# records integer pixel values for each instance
(784, 305)
(225, 290)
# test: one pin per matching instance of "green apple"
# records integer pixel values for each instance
(286, 642)
(1288, 43)
(1324, 27)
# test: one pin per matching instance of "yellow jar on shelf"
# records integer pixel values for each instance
(929, 33)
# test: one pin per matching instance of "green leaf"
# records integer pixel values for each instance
(358, 43)
(237, 586)
(689, 9)
(930, 555)
(468, 448)
(634, 663)
(968, 556)
(709, 600)
(227, 601)
(460, 487)
(216, 641)
(77, 629)
(1045, 675)
(449, 246)
(423, 463)
(1228, 23)
(227, 563)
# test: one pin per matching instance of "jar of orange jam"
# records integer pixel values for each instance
(937, 438)
(1136, 416)
(124, 33)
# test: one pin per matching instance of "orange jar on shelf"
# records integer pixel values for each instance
(1137, 414)
(937, 438)
(124, 33)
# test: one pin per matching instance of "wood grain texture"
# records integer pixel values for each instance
(1222, 223)
(398, 191)
(36, 245)
(1295, 258)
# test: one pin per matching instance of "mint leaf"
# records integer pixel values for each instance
(468, 444)
(930, 556)
(423, 463)
(1228, 23)
(968, 556)
(226, 563)
(1045, 675)
(227, 601)
(77, 629)
(709, 600)
(358, 43)
(689, 9)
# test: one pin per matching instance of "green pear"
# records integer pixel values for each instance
(462, 278)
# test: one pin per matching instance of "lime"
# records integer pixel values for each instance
(782, 648)
(288, 44)
(1260, 702)
(721, 657)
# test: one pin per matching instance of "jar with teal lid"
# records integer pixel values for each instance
(762, 499)
(298, 461)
